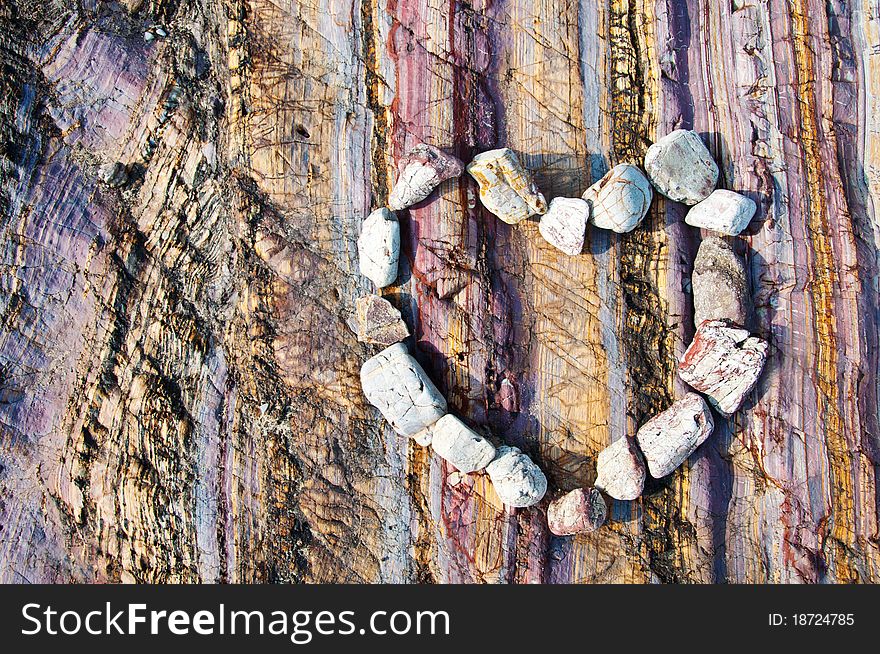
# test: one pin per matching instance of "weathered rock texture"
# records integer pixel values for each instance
(620, 200)
(724, 212)
(681, 167)
(579, 512)
(620, 470)
(517, 480)
(506, 187)
(720, 284)
(564, 224)
(461, 446)
(378, 321)
(180, 392)
(420, 172)
(670, 437)
(723, 363)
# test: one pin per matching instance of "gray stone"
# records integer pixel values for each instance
(620, 200)
(720, 284)
(564, 224)
(395, 383)
(670, 437)
(517, 480)
(115, 174)
(461, 446)
(620, 470)
(420, 172)
(724, 363)
(680, 167)
(379, 248)
(506, 187)
(379, 321)
(725, 212)
(579, 512)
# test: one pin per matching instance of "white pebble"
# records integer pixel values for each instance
(564, 224)
(379, 248)
(725, 212)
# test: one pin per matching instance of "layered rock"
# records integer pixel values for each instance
(421, 170)
(723, 362)
(506, 187)
(579, 512)
(680, 166)
(395, 383)
(564, 224)
(461, 446)
(620, 470)
(720, 284)
(620, 200)
(517, 480)
(723, 211)
(379, 248)
(378, 321)
(670, 437)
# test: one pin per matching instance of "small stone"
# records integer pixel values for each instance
(148, 36)
(160, 32)
(564, 224)
(620, 200)
(115, 174)
(579, 512)
(720, 284)
(379, 321)
(680, 166)
(517, 480)
(395, 383)
(670, 437)
(725, 212)
(723, 362)
(506, 188)
(379, 247)
(420, 172)
(460, 445)
(424, 437)
(620, 470)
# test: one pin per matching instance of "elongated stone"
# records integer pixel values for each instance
(620, 200)
(724, 211)
(379, 321)
(460, 445)
(506, 187)
(670, 437)
(420, 172)
(564, 224)
(680, 166)
(517, 480)
(579, 512)
(723, 362)
(395, 383)
(720, 284)
(379, 248)
(620, 470)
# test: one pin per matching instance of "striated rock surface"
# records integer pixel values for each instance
(461, 446)
(680, 166)
(579, 512)
(620, 200)
(564, 224)
(379, 248)
(506, 187)
(670, 437)
(720, 284)
(395, 383)
(420, 172)
(723, 363)
(620, 470)
(379, 322)
(724, 212)
(517, 480)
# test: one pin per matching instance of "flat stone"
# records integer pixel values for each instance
(461, 446)
(670, 437)
(517, 480)
(506, 187)
(620, 470)
(579, 512)
(720, 284)
(379, 247)
(421, 170)
(680, 167)
(395, 383)
(725, 212)
(564, 224)
(620, 200)
(379, 321)
(723, 362)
